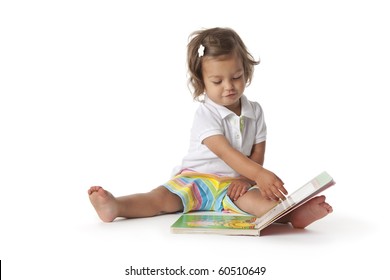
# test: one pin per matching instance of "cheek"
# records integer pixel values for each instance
(209, 87)
(206, 87)
(241, 84)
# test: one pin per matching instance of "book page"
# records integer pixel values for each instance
(303, 192)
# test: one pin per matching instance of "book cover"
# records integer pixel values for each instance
(233, 224)
(211, 222)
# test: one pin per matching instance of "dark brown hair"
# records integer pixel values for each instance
(216, 42)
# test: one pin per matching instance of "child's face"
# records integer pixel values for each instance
(224, 80)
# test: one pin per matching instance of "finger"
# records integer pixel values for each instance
(232, 192)
(281, 188)
(267, 193)
(284, 191)
(280, 179)
(243, 191)
(278, 194)
(236, 194)
(240, 191)
(272, 195)
(263, 192)
(229, 191)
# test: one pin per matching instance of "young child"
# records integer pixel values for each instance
(223, 168)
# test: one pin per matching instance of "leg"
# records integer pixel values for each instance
(254, 203)
(155, 202)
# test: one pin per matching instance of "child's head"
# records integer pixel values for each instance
(215, 42)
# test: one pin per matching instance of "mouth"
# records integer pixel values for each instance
(232, 94)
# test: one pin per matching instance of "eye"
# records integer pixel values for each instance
(216, 82)
(237, 78)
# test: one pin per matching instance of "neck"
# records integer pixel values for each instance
(235, 108)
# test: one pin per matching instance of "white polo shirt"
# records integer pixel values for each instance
(241, 131)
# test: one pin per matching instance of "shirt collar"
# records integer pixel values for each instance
(246, 108)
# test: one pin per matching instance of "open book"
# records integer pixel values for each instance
(236, 224)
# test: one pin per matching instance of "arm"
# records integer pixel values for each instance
(241, 185)
(269, 184)
(257, 154)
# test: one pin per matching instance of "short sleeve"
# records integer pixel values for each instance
(261, 127)
(207, 122)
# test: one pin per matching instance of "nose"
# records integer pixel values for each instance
(228, 85)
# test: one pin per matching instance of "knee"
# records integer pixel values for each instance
(254, 203)
(165, 202)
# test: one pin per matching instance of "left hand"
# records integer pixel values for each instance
(270, 185)
(238, 188)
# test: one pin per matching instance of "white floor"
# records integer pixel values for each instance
(343, 244)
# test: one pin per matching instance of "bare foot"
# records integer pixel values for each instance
(311, 211)
(104, 203)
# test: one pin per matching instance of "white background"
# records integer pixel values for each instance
(95, 93)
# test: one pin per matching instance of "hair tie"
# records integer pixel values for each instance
(201, 51)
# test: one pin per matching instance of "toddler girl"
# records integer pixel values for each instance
(223, 170)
